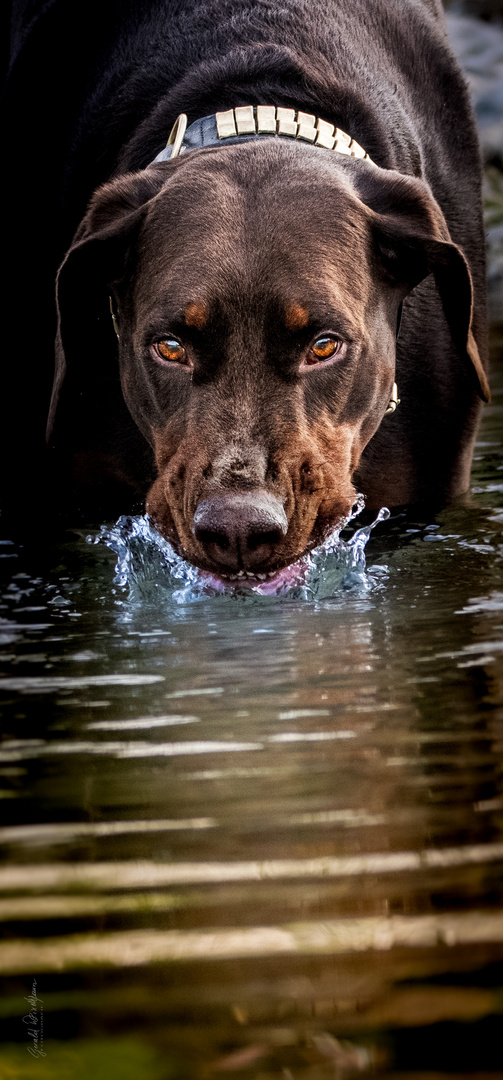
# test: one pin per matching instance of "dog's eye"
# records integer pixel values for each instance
(171, 349)
(326, 347)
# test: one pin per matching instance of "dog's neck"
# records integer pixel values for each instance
(247, 123)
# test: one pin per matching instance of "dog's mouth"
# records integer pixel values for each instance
(267, 583)
(254, 578)
(281, 579)
(262, 579)
(243, 541)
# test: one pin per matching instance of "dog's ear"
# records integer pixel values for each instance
(413, 240)
(86, 374)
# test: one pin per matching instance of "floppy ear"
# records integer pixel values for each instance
(413, 241)
(100, 457)
(85, 350)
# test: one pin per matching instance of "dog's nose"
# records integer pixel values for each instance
(240, 530)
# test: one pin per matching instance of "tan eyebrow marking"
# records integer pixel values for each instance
(296, 317)
(196, 314)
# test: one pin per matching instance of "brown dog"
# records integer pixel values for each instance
(257, 280)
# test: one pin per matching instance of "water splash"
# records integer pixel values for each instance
(147, 564)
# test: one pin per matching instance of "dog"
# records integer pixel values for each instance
(285, 304)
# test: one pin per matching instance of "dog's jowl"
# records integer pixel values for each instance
(285, 304)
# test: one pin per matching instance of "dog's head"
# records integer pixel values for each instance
(256, 290)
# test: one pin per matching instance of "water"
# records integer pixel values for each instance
(254, 835)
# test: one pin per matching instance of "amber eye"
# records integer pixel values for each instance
(324, 348)
(171, 349)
